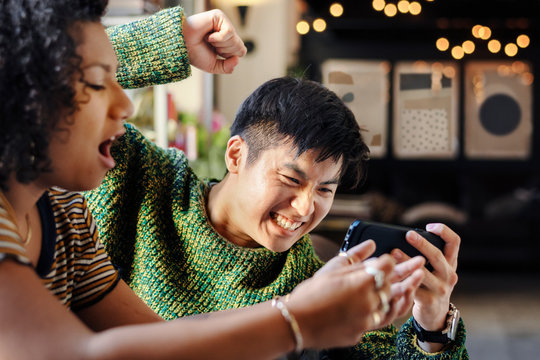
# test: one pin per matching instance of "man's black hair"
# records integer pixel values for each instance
(310, 116)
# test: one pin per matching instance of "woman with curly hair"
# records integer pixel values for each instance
(61, 110)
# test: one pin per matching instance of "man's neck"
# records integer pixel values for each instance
(221, 213)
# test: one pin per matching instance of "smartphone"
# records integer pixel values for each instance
(387, 237)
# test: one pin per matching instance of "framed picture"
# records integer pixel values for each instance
(364, 86)
(498, 106)
(425, 119)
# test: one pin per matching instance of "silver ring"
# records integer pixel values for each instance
(349, 258)
(378, 276)
(384, 301)
(376, 317)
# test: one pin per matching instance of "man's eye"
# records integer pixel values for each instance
(296, 181)
(326, 190)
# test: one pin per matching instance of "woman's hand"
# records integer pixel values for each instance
(212, 42)
(404, 279)
(336, 306)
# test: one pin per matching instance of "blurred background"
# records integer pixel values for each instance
(445, 93)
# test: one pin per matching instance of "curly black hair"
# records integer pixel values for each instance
(38, 62)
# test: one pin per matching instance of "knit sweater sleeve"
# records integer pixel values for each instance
(141, 167)
(151, 51)
(391, 343)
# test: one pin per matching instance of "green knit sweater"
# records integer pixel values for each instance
(151, 212)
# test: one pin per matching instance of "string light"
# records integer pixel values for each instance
(449, 72)
(527, 78)
(494, 46)
(468, 46)
(403, 6)
(504, 70)
(415, 8)
(482, 32)
(336, 9)
(319, 25)
(302, 27)
(442, 44)
(457, 52)
(519, 67)
(390, 10)
(523, 41)
(476, 31)
(378, 5)
(511, 49)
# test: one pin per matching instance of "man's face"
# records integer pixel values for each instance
(280, 197)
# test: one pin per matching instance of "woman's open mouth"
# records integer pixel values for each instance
(105, 151)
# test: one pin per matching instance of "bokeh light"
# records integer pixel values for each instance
(403, 6)
(319, 25)
(494, 46)
(523, 41)
(415, 8)
(390, 10)
(302, 27)
(476, 31)
(484, 32)
(511, 49)
(527, 78)
(457, 52)
(468, 47)
(442, 44)
(379, 5)
(336, 9)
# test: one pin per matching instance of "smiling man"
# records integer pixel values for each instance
(189, 246)
(284, 164)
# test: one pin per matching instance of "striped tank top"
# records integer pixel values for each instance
(73, 264)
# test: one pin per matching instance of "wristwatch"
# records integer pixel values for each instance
(444, 336)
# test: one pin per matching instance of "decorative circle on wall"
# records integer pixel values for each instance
(348, 97)
(500, 114)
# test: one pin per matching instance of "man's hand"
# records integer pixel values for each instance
(432, 299)
(212, 42)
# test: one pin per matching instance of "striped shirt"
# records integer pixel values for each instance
(73, 264)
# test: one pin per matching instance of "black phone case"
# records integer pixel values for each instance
(387, 237)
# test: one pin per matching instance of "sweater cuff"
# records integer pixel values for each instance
(151, 51)
(407, 344)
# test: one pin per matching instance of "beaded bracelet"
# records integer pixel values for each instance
(298, 339)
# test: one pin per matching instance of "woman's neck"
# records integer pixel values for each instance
(23, 198)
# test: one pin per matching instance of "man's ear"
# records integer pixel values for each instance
(235, 154)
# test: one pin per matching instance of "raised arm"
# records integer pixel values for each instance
(206, 40)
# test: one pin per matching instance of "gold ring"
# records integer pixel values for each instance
(349, 258)
(376, 317)
(384, 301)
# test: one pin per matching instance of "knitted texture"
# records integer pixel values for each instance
(151, 213)
(150, 60)
(152, 218)
(390, 344)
